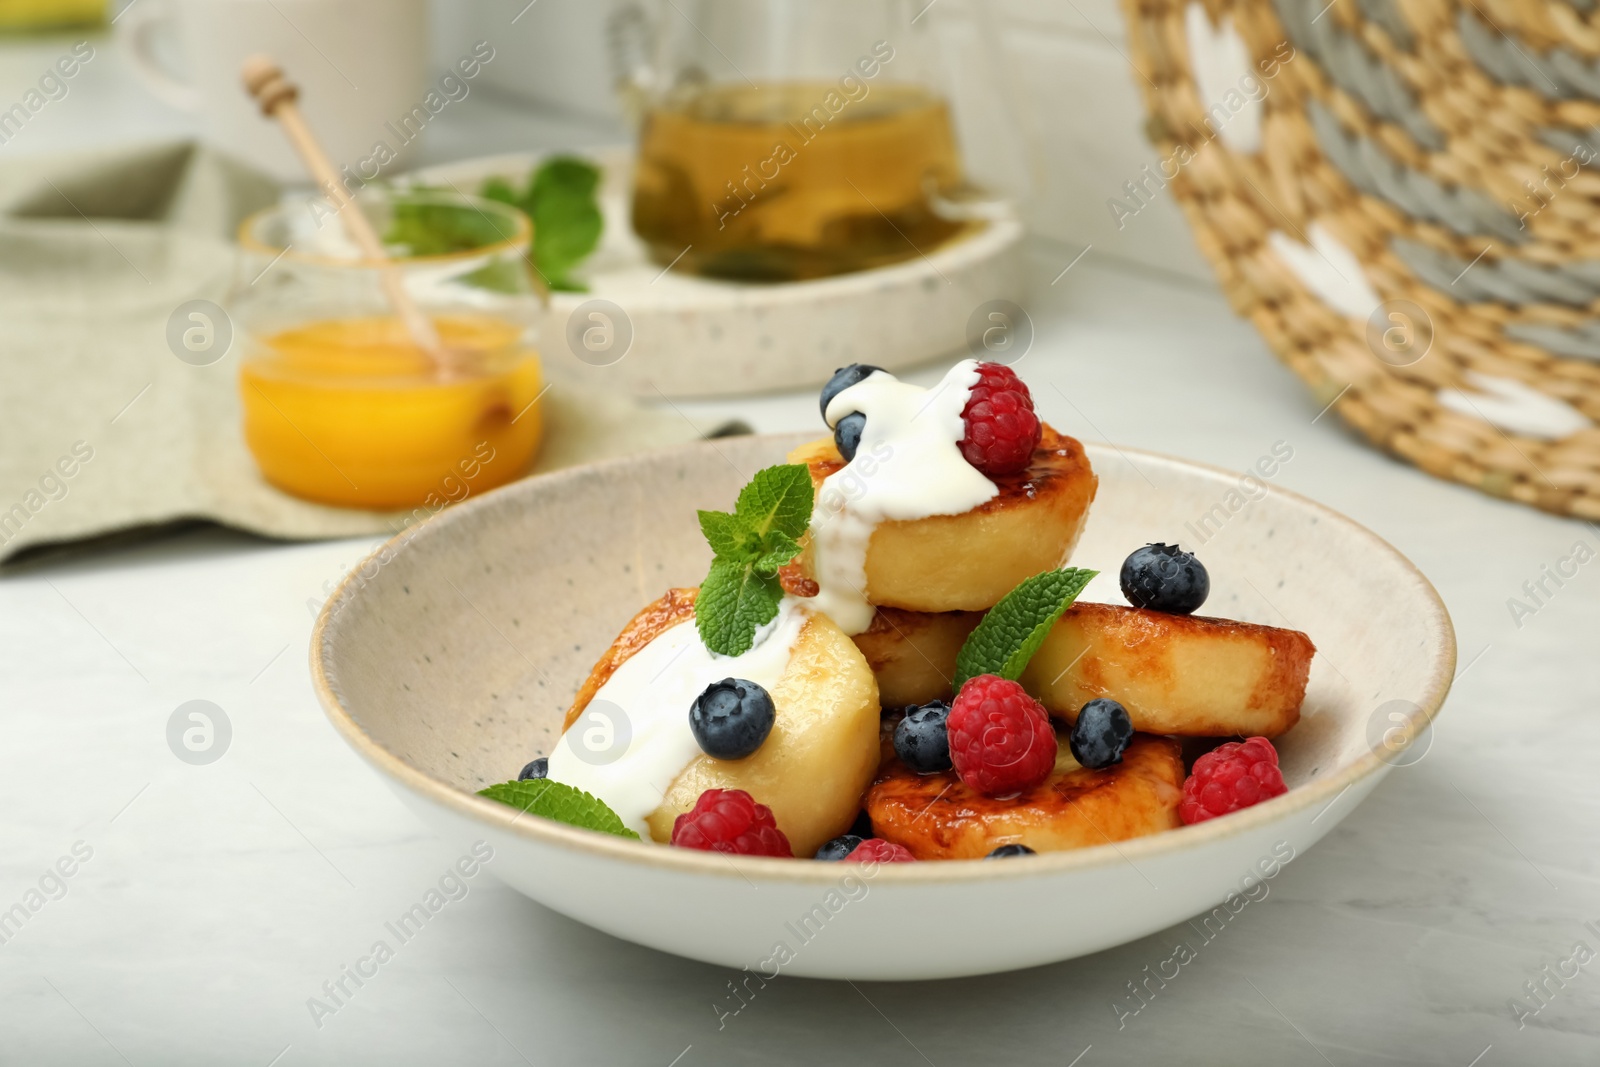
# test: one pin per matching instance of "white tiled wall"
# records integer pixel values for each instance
(1080, 112)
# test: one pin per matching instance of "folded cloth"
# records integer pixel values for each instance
(102, 428)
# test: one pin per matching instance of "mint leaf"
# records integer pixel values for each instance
(728, 537)
(561, 198)
(1013, 630)
(563, 803)
(500, 189)
(501, 276)
(734, 602)
(742, 591)
(423, 224)
(777, 498)
(566, 217)
(778, 549)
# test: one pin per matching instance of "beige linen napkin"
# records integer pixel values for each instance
(102, 428)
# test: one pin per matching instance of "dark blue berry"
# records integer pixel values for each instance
(839, 847)
(847, 435)
(842, 379)
(1101, 734)
(922, 739)
(1165, 578)
(862, 827)
(1007, 851)
(731, 718)
(539, 768)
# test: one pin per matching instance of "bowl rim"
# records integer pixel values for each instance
(606, 847)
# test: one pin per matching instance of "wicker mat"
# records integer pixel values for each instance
(1401, 196)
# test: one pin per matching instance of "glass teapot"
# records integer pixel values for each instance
(789, 139)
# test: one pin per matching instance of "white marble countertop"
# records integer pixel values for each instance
(206, 904)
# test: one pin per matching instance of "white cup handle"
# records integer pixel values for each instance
(136, 29)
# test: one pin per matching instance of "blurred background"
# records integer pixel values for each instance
(730, 198)
(726, 199)
(555, 88)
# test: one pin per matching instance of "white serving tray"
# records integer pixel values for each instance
(700, 337)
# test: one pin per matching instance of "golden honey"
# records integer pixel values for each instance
(352, 412)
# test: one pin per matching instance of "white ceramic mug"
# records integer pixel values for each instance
(360, 64)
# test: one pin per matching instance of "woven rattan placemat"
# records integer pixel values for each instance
(1404, 197)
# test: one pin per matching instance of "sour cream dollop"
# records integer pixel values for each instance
(633, 739)
(908, 466)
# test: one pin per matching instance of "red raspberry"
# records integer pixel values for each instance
(877, 850)
(1001, 429)
(1001, 740)
(729, 820)
(1229, 777)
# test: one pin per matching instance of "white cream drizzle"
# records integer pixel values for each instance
(634, 739)
(908, 466)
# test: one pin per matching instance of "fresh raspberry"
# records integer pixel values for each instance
(1001, 429)
(1001, 741)
(1229, 777)
(877, 850)
(730, 820)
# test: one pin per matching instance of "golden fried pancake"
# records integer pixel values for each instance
(913, 653)
(823, 748)
(967, 562)
(938, 817)
(1176, 674)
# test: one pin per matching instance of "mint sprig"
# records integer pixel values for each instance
(563, 201)
(1013, 630)
(562, 197)
(761, 534)
(563, 803)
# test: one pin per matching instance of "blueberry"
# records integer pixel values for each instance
(842, 379)
(1165, 578)
(1101, 734)
(1007, 851)
(539, 768)
(847, 435)
(731, 718)
(862, 827)
(921, 739)
(839, 847)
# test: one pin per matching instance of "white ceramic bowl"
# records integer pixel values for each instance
(448, 659)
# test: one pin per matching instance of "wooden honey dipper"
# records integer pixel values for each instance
(265, 82)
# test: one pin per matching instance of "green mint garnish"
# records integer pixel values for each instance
(1012, 632)
(741, 592)
(563, 803)
(428, 226)
(561, 198)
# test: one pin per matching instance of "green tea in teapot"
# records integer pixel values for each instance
(794, 180)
